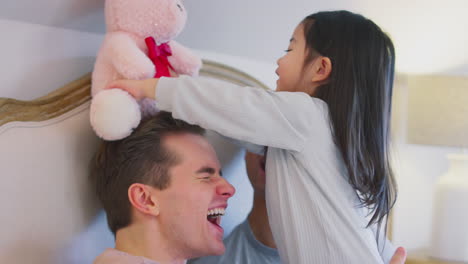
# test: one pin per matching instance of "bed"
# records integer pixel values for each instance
(49, 212)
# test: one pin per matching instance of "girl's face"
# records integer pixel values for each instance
(293, 75)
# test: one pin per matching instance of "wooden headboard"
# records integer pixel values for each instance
(77, 92)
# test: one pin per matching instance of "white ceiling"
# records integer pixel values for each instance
(430, 35)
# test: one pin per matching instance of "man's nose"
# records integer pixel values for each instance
(225, 189)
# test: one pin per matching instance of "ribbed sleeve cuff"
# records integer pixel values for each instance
(165, 93)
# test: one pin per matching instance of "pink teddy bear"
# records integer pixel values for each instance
(138, 45)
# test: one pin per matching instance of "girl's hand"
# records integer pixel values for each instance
(399, 257)
(139, 89)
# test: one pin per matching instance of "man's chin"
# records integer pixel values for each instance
(214, 251)
(218, 250)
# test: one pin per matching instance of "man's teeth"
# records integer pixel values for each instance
(216, 212)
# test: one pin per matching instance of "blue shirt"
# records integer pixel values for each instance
(242, 248)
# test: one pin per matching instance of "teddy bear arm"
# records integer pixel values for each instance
(183, 60)
(128, 59)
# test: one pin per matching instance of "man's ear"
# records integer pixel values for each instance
(142, 199)
(321, 68)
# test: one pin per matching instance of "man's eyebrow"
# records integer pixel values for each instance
(209, 170)
(292, 40)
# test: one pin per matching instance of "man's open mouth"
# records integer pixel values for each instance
(214, 215)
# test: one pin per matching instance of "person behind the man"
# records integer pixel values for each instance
(251, 241)
(163, 194)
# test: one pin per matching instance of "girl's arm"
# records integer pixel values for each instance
(276, 119)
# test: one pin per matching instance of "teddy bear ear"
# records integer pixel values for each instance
(162, 19)
(110, 14)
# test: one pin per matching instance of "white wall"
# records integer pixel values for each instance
(429, 36)
(80, 15)
(38, 59)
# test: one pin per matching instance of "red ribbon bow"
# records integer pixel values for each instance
(158, 54)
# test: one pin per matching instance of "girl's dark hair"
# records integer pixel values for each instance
(358, 93)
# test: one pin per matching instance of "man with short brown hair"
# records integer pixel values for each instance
(163, 193)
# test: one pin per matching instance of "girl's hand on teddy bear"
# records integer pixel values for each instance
(399, 257)
(139, 89)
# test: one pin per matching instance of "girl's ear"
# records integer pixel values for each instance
(142, 199)
(321, 68)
